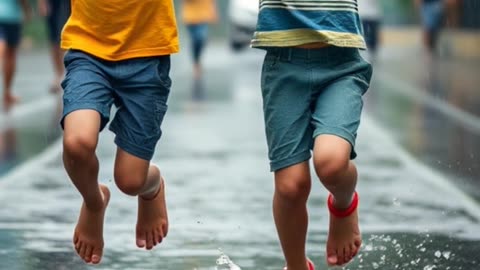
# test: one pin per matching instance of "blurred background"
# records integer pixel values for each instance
(418, 145)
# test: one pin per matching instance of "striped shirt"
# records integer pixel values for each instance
(290, 23)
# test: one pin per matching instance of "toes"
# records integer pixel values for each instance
(75, 239)
(347, 255)
(332, 258)
(78, 245)
(354, 250)
(88, 254)
(340, 256)
(83, 248)
(149, 237)
(141, 240)
(164, 230)
(156, 237)
(358, 243)
(96, 255)
(160, 235)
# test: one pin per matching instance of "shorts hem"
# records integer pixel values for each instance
(85, 106)
(339, 132)
(287, 162)
(133, 149)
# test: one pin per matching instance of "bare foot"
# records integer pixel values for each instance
(344, 239)
(9, 100)
(310, 265)
(152, 221)
(88, 236)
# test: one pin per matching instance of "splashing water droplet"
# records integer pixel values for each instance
(396, 202)
(224, 263)
(438, 254)
(446, 254)
(429, 267)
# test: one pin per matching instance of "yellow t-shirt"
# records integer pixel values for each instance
(121, 29)
(199, 11)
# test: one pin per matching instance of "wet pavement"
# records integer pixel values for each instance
(219, 189)
(432, 108)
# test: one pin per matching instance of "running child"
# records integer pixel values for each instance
(118, 54)
(313, 80)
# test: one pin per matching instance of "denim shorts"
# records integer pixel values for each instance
(432, 16)
(309, 92)
(11, 33)
(139, 88)
(59, 11)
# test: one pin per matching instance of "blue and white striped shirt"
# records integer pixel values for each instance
(290, 23)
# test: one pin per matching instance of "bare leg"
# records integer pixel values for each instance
(339, 175)
(137, 177)
(9, 67)
(80, 141)
(292, 188)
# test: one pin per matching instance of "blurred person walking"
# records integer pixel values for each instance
(197, 15)
(371, 14)
(432, 17)
(56, 13)
(312, 81)
(12, 14)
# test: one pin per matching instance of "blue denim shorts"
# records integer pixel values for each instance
(309, 92)
(59, 11)
(432, 15)
(139, 88)
(11, 33)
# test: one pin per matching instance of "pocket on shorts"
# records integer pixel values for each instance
(365, 73)
(160, 111)
(163, 71)
(361, 70)
(270, 63)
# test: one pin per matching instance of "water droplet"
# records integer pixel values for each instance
(423, 249)
(446, 254)
(429, 267)
(224, 263)
(375, 265)
(438, 254)
(396, 202)
(368, 248)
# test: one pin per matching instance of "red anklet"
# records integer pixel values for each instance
(344, 212)
(311, 266)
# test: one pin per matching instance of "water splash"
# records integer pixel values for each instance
(224, 263)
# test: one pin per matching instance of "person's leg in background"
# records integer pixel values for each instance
(198, 35)
(432, 16)
(58, 13)
(371, 29)
(8, 50)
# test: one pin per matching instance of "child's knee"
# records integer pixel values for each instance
(79, 146)
(329, 165)
(293, 187)
(130, 182)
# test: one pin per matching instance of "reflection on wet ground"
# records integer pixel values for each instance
(219, 191)
(432, 109)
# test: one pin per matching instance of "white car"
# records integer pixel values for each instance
(243, 16)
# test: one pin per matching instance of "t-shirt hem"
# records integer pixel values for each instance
(139, 53)
(298, 37)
